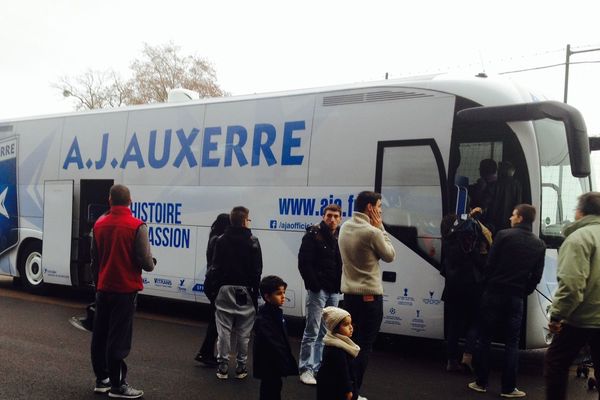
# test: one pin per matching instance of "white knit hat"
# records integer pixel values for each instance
(333, 316)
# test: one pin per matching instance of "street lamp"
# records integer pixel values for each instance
(569, 53)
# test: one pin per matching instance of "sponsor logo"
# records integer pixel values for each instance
(162, 282)
(145, 281)
(198, 288)
(431, 300)
(405, 300)
(392, 318)
(418, 323)
(181, 286)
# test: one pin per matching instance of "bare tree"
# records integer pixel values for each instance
(160, 69)
(95, 89)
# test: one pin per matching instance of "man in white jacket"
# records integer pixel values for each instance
(363, 242)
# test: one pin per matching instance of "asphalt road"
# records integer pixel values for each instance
(43, 357)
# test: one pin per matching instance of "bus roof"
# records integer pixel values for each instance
(485, 90)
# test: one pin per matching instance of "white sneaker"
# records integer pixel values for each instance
(361, 397)
(308, 378)
(515, 393)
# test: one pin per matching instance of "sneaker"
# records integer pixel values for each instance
(102, 385)
(222, 371)
(515, 393)
(361, 397)
(125, 392)
(208, 361)
(241, 372)
(80, 323)
(474, 386)
(308, 378)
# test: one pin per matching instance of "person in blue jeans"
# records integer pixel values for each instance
(320, 265)
(513, 270)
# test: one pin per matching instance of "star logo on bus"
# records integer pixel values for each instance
(2, 206)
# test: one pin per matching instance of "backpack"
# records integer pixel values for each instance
(212, 282)
(466, 234)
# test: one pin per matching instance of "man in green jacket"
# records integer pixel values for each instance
(575, 310)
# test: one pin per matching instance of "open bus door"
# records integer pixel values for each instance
(93, 202)
(58, 224)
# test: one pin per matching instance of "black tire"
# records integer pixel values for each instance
(30, 267)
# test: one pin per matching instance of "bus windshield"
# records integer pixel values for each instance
(560, 189)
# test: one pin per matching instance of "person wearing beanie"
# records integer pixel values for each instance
(336, 379)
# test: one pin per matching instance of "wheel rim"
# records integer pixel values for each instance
(33, 268)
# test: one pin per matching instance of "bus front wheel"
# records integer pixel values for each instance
(30, 267)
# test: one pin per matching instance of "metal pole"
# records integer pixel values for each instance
(566, 91)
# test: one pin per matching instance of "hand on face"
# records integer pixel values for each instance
(374, 213)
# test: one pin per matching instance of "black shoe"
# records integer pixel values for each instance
(241, 372)
(223, 371)
(125, 392)
(81, 323)
(206, 360)
(102, 385)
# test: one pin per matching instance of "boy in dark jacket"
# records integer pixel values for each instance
(272, 354)
(336, 379)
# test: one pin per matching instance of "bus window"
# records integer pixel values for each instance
(409, 177)
(474, 142)
(471, 155)
(560, 189)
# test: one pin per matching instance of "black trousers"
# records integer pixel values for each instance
(560, 355)
(270, 388)
(208, 346)
(367, 315)
(111, 338)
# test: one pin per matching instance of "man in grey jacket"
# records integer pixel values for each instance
(363, 242)
(574, 316)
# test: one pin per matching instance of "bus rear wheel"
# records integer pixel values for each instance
(30, 267)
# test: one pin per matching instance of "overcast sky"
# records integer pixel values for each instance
(260, 46)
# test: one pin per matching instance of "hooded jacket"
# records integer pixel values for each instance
(577, 298)
(238, 259)
(319, 259)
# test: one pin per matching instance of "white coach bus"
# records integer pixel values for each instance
(286, 156)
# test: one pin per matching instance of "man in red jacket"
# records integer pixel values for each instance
(120, 250)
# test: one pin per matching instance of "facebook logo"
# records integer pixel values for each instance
(273, 224)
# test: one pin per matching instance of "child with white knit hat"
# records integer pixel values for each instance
(335, 379)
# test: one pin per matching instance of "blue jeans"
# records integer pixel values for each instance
(311, 348)
(503, 313)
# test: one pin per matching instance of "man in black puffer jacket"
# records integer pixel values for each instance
(320, 265)
(513, 270)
